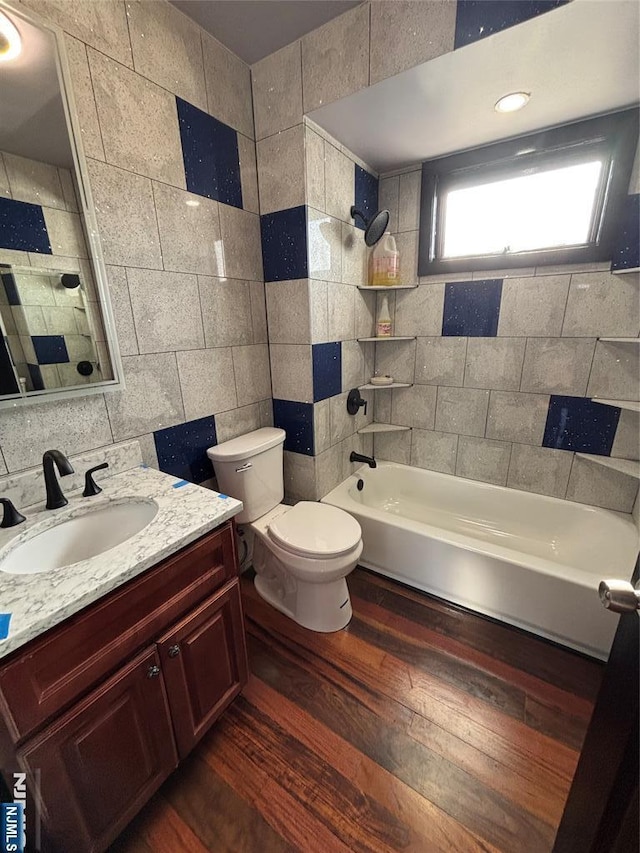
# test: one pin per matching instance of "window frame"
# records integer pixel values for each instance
(616, 134)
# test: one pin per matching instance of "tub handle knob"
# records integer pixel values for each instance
(619, 596)
(354, 401)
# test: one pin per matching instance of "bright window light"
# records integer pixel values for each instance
(543, 210)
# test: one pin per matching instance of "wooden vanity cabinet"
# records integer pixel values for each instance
(170, 655)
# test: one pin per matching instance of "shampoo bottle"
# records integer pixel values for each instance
(383, 324)
(386, 262)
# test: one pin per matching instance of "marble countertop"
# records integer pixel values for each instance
(36, 602)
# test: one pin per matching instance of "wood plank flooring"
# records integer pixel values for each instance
(421, 727)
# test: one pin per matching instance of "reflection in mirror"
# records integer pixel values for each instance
(53, 325)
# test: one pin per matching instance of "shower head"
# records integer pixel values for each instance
(374, 227)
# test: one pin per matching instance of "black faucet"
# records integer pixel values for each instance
(55, 498)
(10, 516)
(358, 457)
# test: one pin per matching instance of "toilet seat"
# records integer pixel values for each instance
(315, 530)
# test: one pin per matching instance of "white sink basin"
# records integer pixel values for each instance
(78, 538)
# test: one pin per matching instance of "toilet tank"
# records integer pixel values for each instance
(249, 468)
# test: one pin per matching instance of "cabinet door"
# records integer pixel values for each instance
(101, 761)
(204, 661)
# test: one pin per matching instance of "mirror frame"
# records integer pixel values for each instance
(85, 200)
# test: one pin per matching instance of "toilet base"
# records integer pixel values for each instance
(323, 607)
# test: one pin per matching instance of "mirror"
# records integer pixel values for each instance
(57, 328)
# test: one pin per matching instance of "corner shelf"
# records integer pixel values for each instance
(623, 271)
(388, 338)
(620, 340)
(387, 287)
(631, 405)
(370, 387)
(378, 428)
(624, 466)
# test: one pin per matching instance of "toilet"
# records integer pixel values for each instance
(301, 554)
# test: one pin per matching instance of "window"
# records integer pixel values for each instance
(551, 197)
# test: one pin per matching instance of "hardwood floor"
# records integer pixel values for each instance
(420, 727)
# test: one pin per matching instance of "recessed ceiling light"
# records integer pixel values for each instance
(512, 102)
(10, 41)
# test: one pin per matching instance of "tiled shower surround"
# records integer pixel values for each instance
(191, 229)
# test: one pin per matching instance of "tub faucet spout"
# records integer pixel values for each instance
(358, 457)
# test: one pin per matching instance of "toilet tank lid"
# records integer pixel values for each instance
(247, 445)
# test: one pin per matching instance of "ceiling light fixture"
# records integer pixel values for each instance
(512, 102)
(10, 41)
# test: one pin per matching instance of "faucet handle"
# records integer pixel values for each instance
(91, 488)
(354, 401)
(11, 516)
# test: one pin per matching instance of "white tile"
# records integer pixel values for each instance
(389, 199)
(189, 229)
(479, 459)
(226, 311)
(151, 399)
(251, 367)
(322, 437)
(366, 314)
(65, 233)
(299, 477)
(343, 425)
(148, 450)
(626, 444)
(126, 217)
(424, 31)
(325, 79)
(288, 311)
(339, 180)
(409, 205)
(328, 470)
(248, 174)
(265, 409)
(440, 361)
(414, 407)
(393, 447)
(228, 86)
(292, 372)
(540, 470)
(494, 363)
(353, 365)
(355, 256)
(462, 410)
(258, 312)
(558, 365)
(277, 91)
(433, 450)
(102, 25)
(533, 306)
(614, 372)
(281, 170)
(324, 245)
(396, 359)
(67, 180)
(207, 382)
(314, 168)
(419, 311)
(166, 310)
(166, 49)
(341, 307)
(602, 304)
(237, 422)
(241, 243)
(34, 182)
(318, 305)
(138, 122)
(83, 96)
(598, 486)
(407, 245)
(517, 417)
(5, 189)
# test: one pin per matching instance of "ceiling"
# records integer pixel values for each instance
(253, 29)
(33, 121)
(578, 60)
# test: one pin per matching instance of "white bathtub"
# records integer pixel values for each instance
(526, 559)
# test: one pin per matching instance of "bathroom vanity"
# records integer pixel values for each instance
(99, 709)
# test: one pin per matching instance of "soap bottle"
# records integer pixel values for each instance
(383, 324)
(386, 262)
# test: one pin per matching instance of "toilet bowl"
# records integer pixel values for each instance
(301, 554)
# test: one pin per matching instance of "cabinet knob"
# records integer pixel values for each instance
(174, 651)
(153, 671)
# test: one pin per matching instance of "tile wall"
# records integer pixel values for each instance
(167, 128)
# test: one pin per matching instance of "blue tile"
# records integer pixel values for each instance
(477, 19)
(575, 423)
(296, 419)
(22, 227)
(8, 381)
(36, 377)
(366, 194)
(327, 370)
(472, 308)
(11, 288)
(50, 349)
(284, 244)
(626, 255)
(210, 154)
(182, 449)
